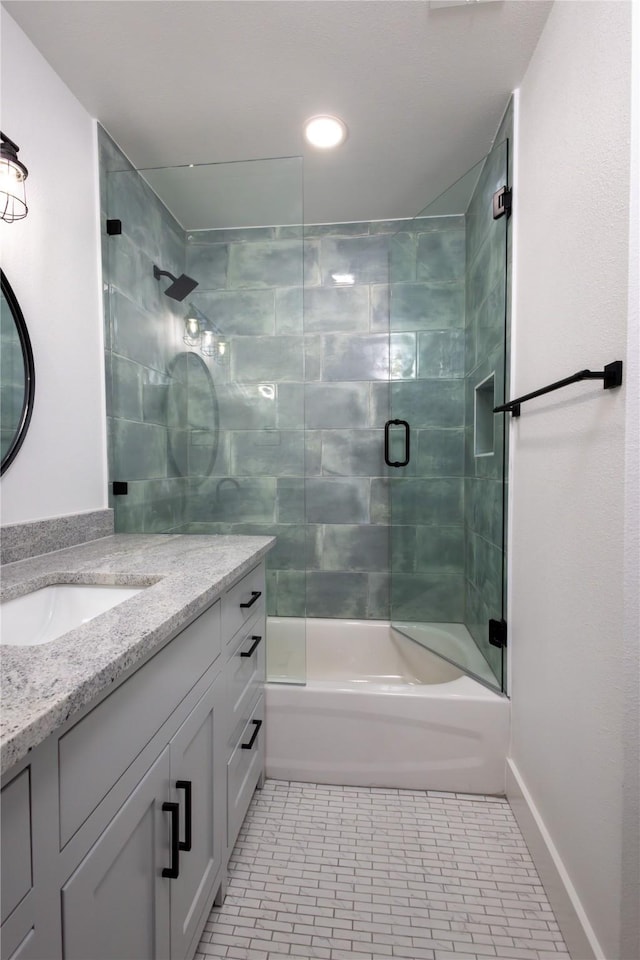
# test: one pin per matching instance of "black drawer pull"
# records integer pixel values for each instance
(186, 786)
(173, 872)
(251, 650)
(247, 746)
(255, 595)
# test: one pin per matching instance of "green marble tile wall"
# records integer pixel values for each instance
(305, 395)
(427, 322)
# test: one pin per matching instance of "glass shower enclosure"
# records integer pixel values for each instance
(251, 363)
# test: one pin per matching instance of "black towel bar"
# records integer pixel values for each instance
(611, 375)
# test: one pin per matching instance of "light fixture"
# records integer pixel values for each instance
(13, 173)
(203, 334)
(192, 335)
(325, 131)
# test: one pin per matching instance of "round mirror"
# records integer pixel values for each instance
(192, 416)
(17, 376)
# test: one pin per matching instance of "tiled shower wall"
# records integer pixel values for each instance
(427, 319)
(301, 454)
(303, 405)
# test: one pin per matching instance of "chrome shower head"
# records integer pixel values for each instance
(181, 287)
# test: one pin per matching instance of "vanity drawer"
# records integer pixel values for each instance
(243, 771)
(244, 674)
(15, 841)
(243, 601)
(99, 748)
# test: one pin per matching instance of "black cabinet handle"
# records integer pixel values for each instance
(173, 872)
(255, 594)
(247, 746)
(407, 443)
(186, 786)
(251, 650)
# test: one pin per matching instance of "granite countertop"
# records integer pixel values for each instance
(42, 686)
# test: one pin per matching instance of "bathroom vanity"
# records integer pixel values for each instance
(131, 748)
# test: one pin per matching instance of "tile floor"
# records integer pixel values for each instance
(351, 872)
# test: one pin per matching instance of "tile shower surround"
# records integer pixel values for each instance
(314, 471)
(350, 872)
(302, 404)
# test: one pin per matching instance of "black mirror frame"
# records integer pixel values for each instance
(29, 374)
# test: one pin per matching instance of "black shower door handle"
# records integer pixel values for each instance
(407, 443)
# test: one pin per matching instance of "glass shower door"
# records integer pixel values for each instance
(444, 446)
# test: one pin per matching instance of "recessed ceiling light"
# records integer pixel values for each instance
(325, 131)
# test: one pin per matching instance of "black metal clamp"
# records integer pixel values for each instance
(611, 375)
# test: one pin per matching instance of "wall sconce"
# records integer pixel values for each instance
(205, 335)
(13, 201)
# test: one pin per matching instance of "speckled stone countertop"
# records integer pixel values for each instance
(42, 686)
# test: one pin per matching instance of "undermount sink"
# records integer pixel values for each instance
(46, 614)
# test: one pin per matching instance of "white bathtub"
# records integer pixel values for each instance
(379, 710)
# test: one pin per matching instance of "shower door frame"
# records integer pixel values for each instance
(478, 648)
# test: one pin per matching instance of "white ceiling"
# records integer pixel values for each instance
(421, 89)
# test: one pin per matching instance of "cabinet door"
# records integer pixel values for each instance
(196, 783)
(15, 842)
(115, 906)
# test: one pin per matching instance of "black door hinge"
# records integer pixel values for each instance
(114, 228)
(120, 488)
(502, 201)
(498, 633)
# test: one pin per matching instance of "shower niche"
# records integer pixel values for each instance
(484, 417)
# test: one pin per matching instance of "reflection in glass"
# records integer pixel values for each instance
(193, 419)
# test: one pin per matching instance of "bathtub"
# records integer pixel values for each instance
(378, 710)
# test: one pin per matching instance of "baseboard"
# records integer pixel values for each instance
(578, 934)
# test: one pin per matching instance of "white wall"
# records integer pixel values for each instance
(51, 261)
(568, 511)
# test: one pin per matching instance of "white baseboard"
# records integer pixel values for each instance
(578, 934)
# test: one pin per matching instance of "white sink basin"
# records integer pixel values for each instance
(45, 614)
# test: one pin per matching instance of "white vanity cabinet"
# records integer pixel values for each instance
(155, 865)
(140, 800)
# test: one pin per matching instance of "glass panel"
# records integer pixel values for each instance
(205, 364)
(447, 304)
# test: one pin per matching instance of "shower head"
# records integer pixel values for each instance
(181, 287)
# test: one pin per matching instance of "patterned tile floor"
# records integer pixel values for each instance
(350, 872)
